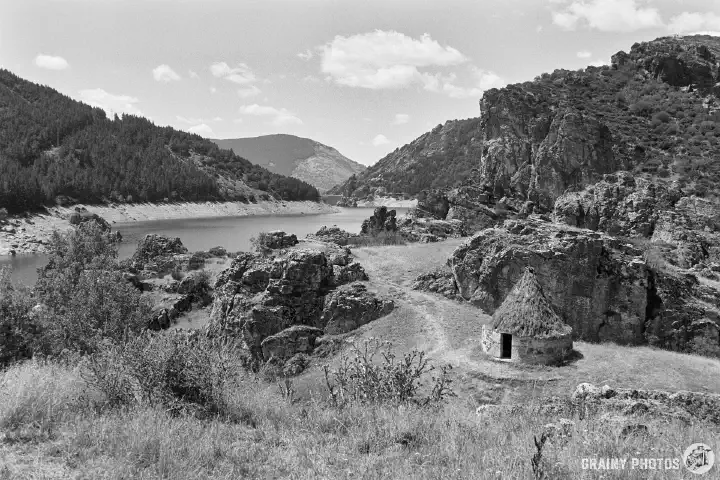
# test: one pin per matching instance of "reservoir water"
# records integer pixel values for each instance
(233, 233)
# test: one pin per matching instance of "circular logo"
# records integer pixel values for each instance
(698, 458)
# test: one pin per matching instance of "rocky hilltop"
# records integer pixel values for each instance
(301, 158)
(654, 110)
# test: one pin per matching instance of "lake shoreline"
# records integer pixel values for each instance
(30, 235)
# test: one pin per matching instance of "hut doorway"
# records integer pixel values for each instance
(505, 345)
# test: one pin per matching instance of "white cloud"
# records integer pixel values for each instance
(193, 74)
(379, 140)
(278, 116)
(51, 62)
(217, 119)
(447, 84)
(607, 15)
(306, 55)
(163, 73)
(584, 54)
(249, 91)
(112, 104)
(242, 74)
(213, 89)
(695, 22)
(598, 63)
(401, 118)
(202, 130)
(380, 59)
(539, 28)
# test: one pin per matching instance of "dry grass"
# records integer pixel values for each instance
(303, 441)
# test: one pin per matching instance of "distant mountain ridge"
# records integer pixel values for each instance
(302, 158)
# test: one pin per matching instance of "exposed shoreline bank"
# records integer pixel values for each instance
(30, 235)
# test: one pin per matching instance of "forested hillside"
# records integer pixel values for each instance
(55, 149)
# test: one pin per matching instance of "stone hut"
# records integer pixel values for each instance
(526, 328)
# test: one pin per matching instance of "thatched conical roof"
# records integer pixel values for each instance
(526, 312)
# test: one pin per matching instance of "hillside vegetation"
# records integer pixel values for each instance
(654, 110)
(57, 150)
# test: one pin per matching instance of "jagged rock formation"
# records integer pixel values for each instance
(600, 285)
(259, 297)
(301, 158)
(651, 111)
(684, 231)
(157, 255)
(381, 221)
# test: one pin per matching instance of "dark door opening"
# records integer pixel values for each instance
(505, 345)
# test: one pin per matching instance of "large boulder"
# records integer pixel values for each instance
(350, 307)
(291, 341)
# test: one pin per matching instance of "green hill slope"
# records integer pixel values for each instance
(55, 149)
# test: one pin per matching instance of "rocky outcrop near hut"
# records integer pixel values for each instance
(682, 230)
(276, 305)
(602, 286)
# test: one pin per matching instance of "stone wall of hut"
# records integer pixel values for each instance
(534, 350)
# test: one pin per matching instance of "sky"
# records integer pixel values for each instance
(365, 77)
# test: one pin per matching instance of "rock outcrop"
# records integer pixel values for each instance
(157, 255)
(684, 405)
(291, 341)
(623, 205)
(277, 239)
(381, 221)
(426, 230)
(260, 296)
(350, 307)
(332, 234)
(600, 285)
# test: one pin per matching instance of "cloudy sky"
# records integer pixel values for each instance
(362, 76)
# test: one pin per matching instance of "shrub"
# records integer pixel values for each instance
(84, 297)
(360, 379)
(178, 371)
(17, 327)
(101, 306)
(260, 243)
